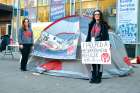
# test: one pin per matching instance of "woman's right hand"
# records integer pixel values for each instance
(21, 46)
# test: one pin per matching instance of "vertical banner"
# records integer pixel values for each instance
(97, 52)
(25, 8)
(32, 14)
(32, 10)
(57, 9)
(127, 20)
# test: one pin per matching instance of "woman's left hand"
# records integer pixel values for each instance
(32, 47)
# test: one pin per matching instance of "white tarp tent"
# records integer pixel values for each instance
(74, 67)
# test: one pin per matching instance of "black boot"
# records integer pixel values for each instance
(99, 77)
(93, 78)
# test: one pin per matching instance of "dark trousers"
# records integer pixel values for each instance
(25, 55)
(96, 68)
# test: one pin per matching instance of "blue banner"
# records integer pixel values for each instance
(57, 10)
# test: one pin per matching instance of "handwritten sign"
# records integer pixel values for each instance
(97, 52)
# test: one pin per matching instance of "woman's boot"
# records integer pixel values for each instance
(99, 77)
(93, 78)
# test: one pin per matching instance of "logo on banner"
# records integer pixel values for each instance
(105, 57)
(97, 52)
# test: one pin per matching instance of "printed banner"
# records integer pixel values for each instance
(25, 7)
(57, 10)
(32, 14)
(97, 52)
(30, 10)
(38, 28)
(59, 40)
(127, 22)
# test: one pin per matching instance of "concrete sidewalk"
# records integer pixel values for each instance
(12, 80)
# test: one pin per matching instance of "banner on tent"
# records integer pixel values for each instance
(38, 28)
(58, 42)
(97, 52)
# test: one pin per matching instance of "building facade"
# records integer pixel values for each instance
(50, 10)
(6, 10)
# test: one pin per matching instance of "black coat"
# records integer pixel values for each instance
(4, 43)
(104, 36)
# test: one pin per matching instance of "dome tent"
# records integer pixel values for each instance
(71, 66)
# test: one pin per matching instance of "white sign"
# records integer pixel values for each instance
(97, 52)
(127, 20)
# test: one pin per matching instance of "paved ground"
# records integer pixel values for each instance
(12, 80)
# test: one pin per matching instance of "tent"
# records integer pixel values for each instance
(66, 60)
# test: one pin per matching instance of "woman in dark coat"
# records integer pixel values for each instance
(98, 31)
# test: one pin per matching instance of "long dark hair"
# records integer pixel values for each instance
(101, 21)
(29, 24)
(101, 16)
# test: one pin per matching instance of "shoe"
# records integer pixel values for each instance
(96, 78)
(23, 69)
(93, 79)
(99, 78)
(96, 81)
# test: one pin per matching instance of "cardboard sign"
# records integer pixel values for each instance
(97, 52)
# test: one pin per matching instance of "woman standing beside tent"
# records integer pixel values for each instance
(25, 39)
(98, 31)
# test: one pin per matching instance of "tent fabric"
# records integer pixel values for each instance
(75, 69)
(52, 65)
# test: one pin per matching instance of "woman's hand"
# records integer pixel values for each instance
(21, 46)
(32, 47)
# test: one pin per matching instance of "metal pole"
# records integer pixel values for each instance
(97, 4)
(70, 7)
(80, 7)
(137, 50)
(37, 12)
(49, 6)
(12, 24)
(18, 18)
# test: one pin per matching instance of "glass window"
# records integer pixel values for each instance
(40, 2)
(45, 2)
(43, 15)
(8, 2)
(33, 3)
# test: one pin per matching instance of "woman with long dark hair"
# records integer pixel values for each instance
(25, 39)
(98, 31)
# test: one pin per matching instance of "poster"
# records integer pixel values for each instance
(59, 40)
(97, 52)
(57, 10)
(127, 20)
